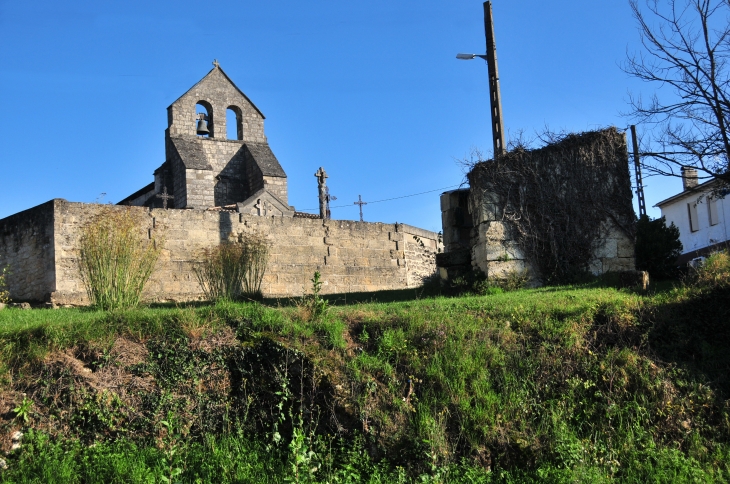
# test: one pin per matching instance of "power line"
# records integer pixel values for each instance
(394, 198)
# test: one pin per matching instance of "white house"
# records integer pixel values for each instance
(701, 214)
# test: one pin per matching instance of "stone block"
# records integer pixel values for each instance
(501, 269)
(397, 254)
(456, 258)
(596, 267)
(608, 249)
(485, 213)
(625, 247)
(619, 264)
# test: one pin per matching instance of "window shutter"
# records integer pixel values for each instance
(712, 206)
(694, 225)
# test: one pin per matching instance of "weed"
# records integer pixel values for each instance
(171, 446)
(314, 305)
(22, 411)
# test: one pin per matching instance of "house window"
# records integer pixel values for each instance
(694, 225)
(712, 208)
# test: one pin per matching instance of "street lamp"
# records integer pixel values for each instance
(470, 56)
(495, 99)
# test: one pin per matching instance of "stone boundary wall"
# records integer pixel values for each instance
(600, 200)
(351, 256)
(26, 247)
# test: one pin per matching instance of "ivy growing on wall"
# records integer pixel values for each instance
(560, 201)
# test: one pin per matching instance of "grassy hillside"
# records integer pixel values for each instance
(559, 384)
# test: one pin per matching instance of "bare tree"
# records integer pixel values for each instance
(687, 49)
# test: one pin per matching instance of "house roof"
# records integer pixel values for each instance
(210, 73)
(702, 187)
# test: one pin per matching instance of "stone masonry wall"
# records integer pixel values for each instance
(583, 179)
(420, 248)
(278, 186)
(26, 247)
(457, 225)
(200, 188)
(351, 256)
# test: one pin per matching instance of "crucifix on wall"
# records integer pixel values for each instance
(165, 197)
(361, 203)
(261, 208)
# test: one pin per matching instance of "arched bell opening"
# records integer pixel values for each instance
(204, 119)
(234, 123)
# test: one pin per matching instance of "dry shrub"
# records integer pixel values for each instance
(234, 269)
(116, 258)
(714, 271)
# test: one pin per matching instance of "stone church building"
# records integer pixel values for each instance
(210, 190)
(209, 170)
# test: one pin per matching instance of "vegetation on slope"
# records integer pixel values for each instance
(559, 384)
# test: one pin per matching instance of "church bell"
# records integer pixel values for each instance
(202, 124)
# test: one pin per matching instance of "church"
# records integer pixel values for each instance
(205, 169)
(212, 189)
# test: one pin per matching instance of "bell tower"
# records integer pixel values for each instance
(203, 168)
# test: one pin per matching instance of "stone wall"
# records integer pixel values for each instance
(570, 197)
(351, 256)
(27, 247)
(457, 225)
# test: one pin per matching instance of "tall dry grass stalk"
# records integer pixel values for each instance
(235, 269)
(4, 293)
(116, 258)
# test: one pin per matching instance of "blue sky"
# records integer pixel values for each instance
(371, 91)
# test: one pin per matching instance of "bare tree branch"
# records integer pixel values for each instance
(686, 49)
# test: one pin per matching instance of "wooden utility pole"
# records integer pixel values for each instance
(495, 98)
(637, 170)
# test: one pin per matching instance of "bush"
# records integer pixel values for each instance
(233, 270)
(657, 247)
(116, 258)
(714, 272)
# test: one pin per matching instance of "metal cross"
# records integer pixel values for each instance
(361, 203)
(328, 198)
(165, 197)
(215, 63)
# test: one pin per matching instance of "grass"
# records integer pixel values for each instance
(558, 384)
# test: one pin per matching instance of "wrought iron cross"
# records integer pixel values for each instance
(328, 197)
(361, 203)
(165, 197)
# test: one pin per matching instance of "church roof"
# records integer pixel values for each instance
(191, 153)
(210, 73)
(265, 159)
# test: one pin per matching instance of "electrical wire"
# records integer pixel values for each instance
(389, 199)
